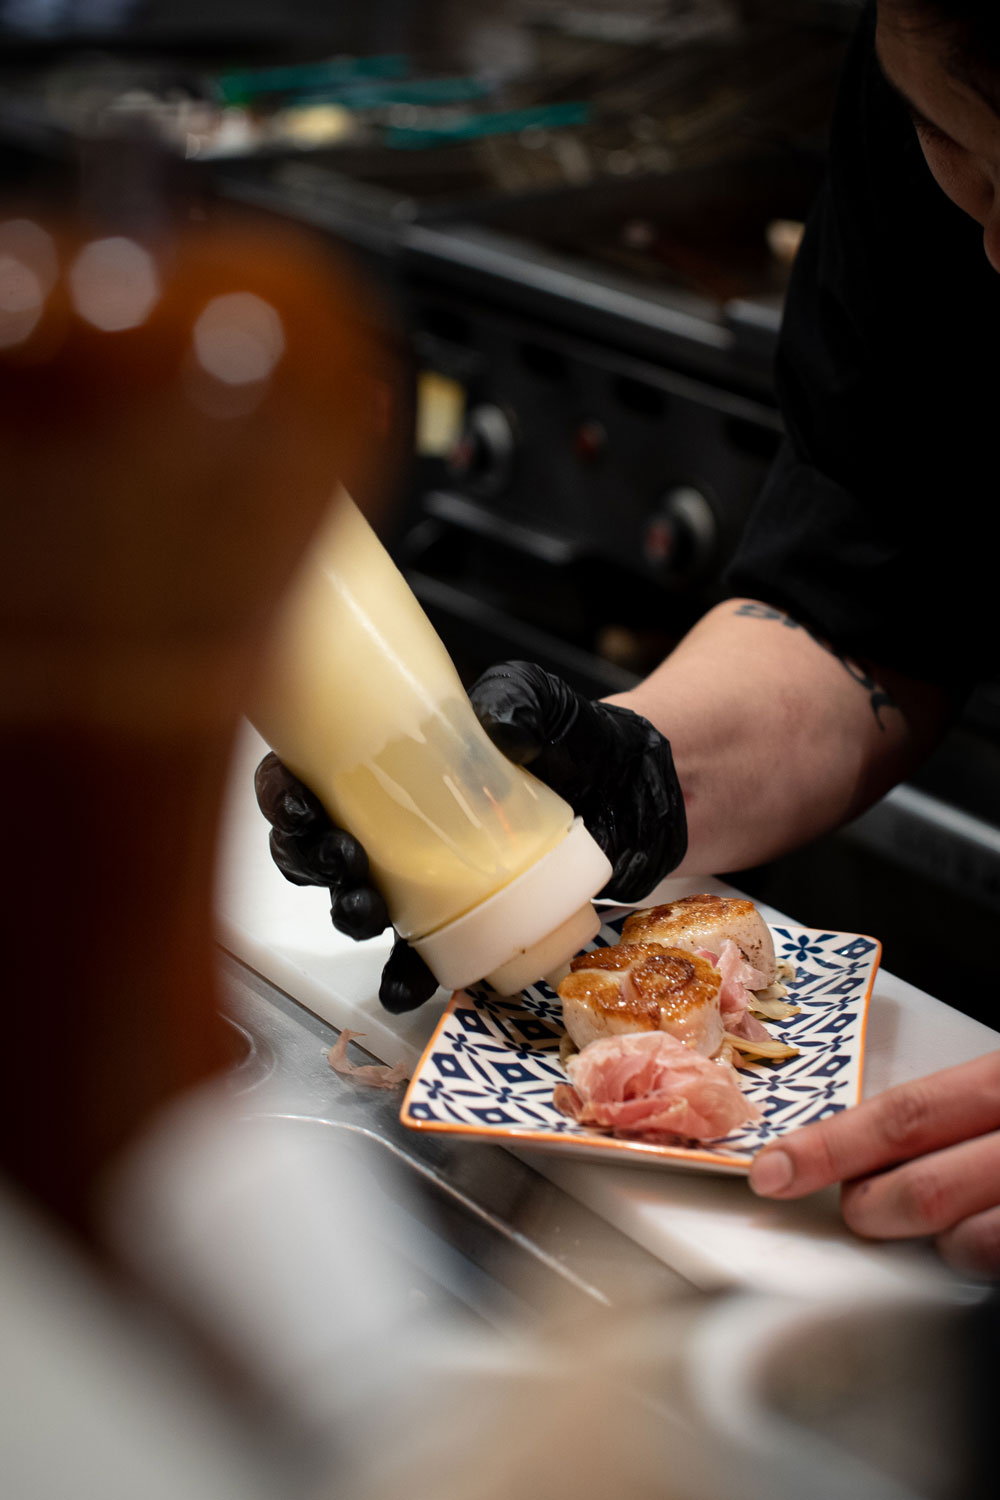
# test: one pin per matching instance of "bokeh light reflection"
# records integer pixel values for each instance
(114, 284)
(238, 339)
(28, 269)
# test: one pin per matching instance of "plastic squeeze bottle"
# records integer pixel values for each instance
(484, 869)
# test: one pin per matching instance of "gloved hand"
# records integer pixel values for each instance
(613, 768)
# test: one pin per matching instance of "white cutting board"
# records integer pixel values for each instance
(711, 1229)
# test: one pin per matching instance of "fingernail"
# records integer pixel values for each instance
(771, 1172)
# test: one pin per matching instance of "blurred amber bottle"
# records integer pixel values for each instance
(180, 395)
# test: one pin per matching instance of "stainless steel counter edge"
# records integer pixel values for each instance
(496, 1211)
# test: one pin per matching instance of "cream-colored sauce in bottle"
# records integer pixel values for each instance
(361, 700)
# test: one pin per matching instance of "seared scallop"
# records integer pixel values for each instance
(705, 922)
(643, 987)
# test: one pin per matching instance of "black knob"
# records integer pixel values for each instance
(681, 536)
(482, 459)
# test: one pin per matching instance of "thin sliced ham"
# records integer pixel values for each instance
(374, 1075)
(650, 1084)
(739, 980)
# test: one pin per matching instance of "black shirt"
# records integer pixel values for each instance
(879, 525)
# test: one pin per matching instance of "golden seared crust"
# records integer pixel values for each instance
(706, 921)
(638, 987)
(610, 1004)
(677, 983)
(619, 956)
(689, 918)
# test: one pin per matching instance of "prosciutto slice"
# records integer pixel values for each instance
(739, 979)
(375, 1075)
(651, 1084)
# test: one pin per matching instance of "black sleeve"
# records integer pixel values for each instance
(879, 522)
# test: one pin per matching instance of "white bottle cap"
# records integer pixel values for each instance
(530, 928)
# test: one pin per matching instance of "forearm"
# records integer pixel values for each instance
(777, 739)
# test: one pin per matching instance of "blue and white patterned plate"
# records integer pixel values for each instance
(489, 1070)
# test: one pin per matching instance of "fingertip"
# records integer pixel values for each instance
(972, 1247)
(772, 1172)
(293, 811)
(287, 856)
(269, 781)
(345, 856)
(395, 998)
(398, 998)
(407, 982)
(509, 701)
(286, 802)
(359, 913)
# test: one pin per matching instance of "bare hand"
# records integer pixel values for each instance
(920, 1160)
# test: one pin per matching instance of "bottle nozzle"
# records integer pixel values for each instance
(530, 928)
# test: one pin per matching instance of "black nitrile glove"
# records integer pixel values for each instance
(310, 850)
(613, 768)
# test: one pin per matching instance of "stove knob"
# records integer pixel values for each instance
(681, 536)
(482, 459)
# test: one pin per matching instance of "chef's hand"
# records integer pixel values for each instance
(613, 768)
(310, 850)
(921, 1160)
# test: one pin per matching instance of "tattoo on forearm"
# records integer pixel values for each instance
(878, 698)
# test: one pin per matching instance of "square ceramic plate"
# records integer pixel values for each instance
(489, 1070)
